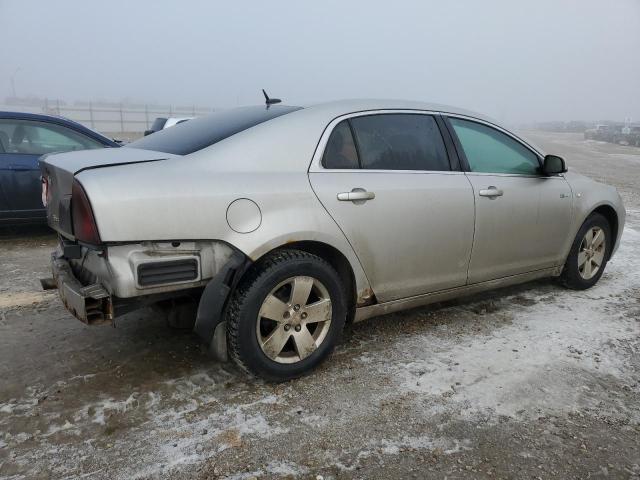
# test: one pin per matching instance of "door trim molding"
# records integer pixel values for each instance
(364, 313)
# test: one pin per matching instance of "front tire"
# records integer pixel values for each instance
(589, 254)
(286, 315)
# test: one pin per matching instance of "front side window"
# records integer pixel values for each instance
(38, 138)
(491, 151)
(340, 151)
(398, 141)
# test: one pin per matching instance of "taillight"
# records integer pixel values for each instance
(84, 225)
(45, 191)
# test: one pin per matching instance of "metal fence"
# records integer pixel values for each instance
(108, 118)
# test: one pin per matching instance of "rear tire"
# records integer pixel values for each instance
(589, 254)
(286, 315)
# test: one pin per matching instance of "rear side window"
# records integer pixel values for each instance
(491, 151)
(199, 133)
(400, 142)
(341, 149)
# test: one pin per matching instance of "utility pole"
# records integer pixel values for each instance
(13, 82)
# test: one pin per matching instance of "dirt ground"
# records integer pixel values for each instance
(528, 382)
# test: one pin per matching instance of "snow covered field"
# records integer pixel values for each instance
(528, 382)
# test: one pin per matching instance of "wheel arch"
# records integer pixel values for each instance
(359, 291)
(608, 212)
(338, 261)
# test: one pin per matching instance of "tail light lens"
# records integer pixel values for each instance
(45, 190)
(84, 224)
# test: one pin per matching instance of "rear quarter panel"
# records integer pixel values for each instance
(186, 198)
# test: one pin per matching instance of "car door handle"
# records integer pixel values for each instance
(355, 195)
(491, 192)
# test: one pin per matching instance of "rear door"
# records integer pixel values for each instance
(387, 180)
(24, 141)
(522, 217)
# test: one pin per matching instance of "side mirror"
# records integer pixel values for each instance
(148, 132)
(553, 165)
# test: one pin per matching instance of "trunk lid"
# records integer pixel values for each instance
(58, 171)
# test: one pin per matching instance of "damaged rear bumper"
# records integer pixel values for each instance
(93, 284)
(90, 304)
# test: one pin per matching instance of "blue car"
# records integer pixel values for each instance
(24, 137)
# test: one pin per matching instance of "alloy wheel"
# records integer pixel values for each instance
(591, 253)
(294, 319)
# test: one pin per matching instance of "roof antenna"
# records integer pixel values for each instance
(270, 101)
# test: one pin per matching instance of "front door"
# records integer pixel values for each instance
(387, 182)
(522, 218)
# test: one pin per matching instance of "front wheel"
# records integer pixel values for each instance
(589, 254)
(286, 316)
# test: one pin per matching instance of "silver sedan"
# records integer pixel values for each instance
(267, 229)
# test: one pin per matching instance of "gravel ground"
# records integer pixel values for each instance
(527, 382)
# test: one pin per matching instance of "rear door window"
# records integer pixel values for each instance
(340, 152)
(398, 141)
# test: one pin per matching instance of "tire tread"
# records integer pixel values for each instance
(253, 277)
(569, 278)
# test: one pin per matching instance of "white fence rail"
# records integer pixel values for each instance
(108, 118)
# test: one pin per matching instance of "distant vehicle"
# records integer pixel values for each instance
(24, 137)
(600, 132)
(634, 136)
(629, 135)
(576, 126)
(162, 123)
(278, 224)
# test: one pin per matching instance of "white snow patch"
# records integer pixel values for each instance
(67, 425)
(181, 442)
(540, 362)
(15, 406)
(397, 446)
(109, 406)
(244, 475)
(286, 469)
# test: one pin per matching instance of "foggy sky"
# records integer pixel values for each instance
(514, 60)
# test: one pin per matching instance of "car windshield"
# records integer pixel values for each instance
(196, 134)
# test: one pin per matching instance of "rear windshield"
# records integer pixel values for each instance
(196, 134)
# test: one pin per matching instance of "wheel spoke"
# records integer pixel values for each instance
(587, 269)
(589, 238)
(599, 257)
(273, 308)
(596, 260)
(301, 290)
(319, 311)
(305, 344)
(582, 257)
(598, 239)
(274, 344)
